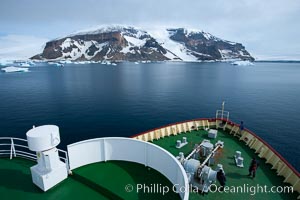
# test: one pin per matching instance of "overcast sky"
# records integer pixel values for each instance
(268, 28)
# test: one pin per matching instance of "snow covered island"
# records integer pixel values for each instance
(127, 43)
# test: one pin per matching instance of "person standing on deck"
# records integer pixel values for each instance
(241, 127)
(221, 178)
(253, 167)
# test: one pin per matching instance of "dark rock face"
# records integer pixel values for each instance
(92, 49)
(52, 50)
(130, 44)
(205, 46)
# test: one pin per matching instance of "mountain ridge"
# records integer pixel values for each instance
(128, 43)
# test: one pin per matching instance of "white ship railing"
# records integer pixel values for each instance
(127, 149)
(17, 147)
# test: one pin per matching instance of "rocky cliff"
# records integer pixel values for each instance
(122, 43)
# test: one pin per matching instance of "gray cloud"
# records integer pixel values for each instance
(267, 28)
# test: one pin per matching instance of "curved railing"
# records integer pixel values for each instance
(132, 150)
(17, 147)
(262, 148)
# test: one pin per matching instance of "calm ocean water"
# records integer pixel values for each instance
(94, 100)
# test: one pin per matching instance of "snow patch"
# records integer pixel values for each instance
(80, 48)
(108, 29)
(135, 41)
(127, 50)
(176, 50)
(67, 43)
(99, 47)
(188, 32)
(225, 53)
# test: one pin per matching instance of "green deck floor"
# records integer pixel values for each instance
(235, 176)
(99, 181)
(116, 175)
(16, 183)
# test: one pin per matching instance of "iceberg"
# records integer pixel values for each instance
(57, 64)
(30, 62)
(106, 62)
(24, 64)
(65, 62)
(14, 69)
(242, 63)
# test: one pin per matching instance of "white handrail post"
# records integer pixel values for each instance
(67, 163)
(12, 149)
(66, 160)
(223, 106)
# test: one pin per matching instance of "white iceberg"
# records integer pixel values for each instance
(30, 62)
(14, 69)
(57, 64)
(24, 64)
(106, 62)
(242, 63)
(65, 62)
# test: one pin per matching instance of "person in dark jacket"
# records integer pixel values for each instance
(253, 167)
(221, 178)
(241, 127)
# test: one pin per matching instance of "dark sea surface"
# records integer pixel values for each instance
(94, 100)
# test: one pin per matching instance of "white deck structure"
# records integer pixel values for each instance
(132, 150)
